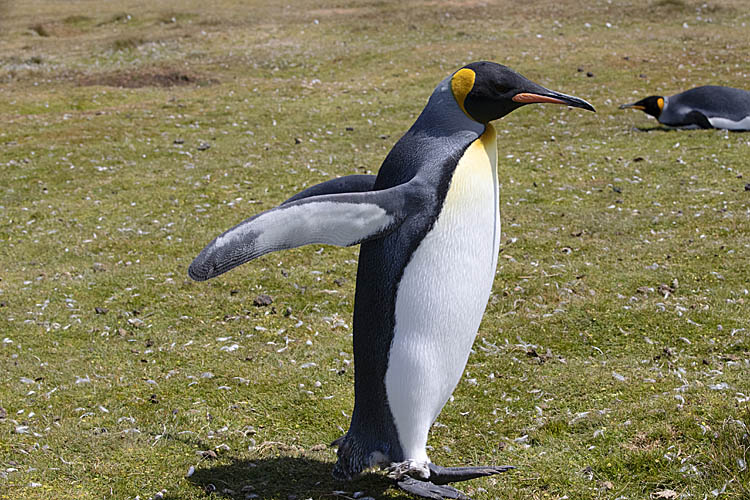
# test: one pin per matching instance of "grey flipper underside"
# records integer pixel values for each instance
(341, 219)
(436, 486)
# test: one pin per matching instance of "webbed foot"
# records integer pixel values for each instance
(445, 475)
(426, 489)
(409, 468)
(411, 478)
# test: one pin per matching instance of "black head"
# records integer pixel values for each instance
(652, 105)
(487, 91)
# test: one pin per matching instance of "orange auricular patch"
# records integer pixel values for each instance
(461, 84)
(660, 103)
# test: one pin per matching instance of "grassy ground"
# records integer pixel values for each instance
(612, 361)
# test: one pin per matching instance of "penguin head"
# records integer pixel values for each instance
(486, 91)
(652, 105)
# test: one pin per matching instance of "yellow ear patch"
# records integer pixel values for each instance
(660, 103)
(461, 84)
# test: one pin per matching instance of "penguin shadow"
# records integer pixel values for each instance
(284, 478)
(661, 128)
(657, 128)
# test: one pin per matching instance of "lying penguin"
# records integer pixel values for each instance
(429, 229)
(709, 106)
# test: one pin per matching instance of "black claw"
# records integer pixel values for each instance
(426, 489)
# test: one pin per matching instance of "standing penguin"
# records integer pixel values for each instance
(429, 229)
(709, 106)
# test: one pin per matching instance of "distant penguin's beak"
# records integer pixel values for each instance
(633, 106)
(550, 96)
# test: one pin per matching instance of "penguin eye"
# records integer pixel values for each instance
(500, 88)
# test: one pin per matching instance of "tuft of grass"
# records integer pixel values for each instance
(40, 30)
(127, 43)
(77, 20)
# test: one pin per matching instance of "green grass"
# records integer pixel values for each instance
(612, 360)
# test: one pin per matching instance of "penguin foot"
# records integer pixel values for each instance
(435, 485)
(409, 468)
(445, 475)
(426, 489)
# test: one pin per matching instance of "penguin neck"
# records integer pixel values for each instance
(444, 117)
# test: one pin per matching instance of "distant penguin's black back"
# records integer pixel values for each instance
(715, 101)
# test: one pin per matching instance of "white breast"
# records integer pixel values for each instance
(442, 296)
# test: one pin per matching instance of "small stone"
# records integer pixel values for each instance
(179, 141)
(101, 310)
(262, 300)
(203, 146)
(297, 140)
(589, 74)
(747, 187)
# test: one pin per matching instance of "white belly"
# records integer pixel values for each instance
(728, 124)
(442, 296)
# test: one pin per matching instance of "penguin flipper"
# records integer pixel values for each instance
(356, 183)
(341, 219)
(699, 119)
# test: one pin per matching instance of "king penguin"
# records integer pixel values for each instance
(429, 229)
(710, 106)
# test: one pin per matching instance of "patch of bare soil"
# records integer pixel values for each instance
(143, 78)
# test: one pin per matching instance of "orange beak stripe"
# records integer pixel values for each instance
(527, 97)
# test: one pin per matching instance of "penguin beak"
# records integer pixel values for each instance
(550, 96)
(633, 106)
